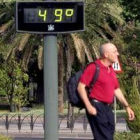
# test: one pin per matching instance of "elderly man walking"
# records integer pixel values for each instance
(99, 112)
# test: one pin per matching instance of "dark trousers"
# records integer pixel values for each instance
(102, 125)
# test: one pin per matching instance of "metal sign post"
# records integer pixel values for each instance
(50, 87)
(118, 69)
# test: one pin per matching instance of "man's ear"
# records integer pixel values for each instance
(106, 54)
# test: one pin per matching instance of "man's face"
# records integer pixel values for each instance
(112, 53)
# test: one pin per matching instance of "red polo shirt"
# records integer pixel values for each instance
(107, 82)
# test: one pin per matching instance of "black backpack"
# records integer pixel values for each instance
(72, 84)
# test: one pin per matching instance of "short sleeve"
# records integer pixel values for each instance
(88, 74)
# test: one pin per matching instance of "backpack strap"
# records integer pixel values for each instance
(95, 77)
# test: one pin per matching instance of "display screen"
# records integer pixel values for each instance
(42, 15)
(49, 17)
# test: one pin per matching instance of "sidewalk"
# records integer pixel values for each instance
(43, 139)
(79, 131)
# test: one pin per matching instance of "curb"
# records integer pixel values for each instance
(76, 135)
(62, 135)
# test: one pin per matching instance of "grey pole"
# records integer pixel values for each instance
(50, 87)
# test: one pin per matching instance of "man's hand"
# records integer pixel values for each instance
(91, 110)
(119, 95)
(130, 113)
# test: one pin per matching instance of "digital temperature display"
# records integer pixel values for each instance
(49, 17)
(65, 15)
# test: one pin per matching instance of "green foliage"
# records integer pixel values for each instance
(126, 136)
(129, 79)
(134, 43)
(2, 137)
(131, 10)
(134, 99)
(102, 19)
(12, 80)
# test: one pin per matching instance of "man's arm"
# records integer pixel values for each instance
(83, 94)
(119, 95)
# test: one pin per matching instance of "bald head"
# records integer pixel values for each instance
(108, 53)
(107, 47)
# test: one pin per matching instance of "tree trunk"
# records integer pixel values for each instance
(12, 108)
(60, 79)
(18, 108)
(69, 51)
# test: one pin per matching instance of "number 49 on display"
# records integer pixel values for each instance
(57, 15)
